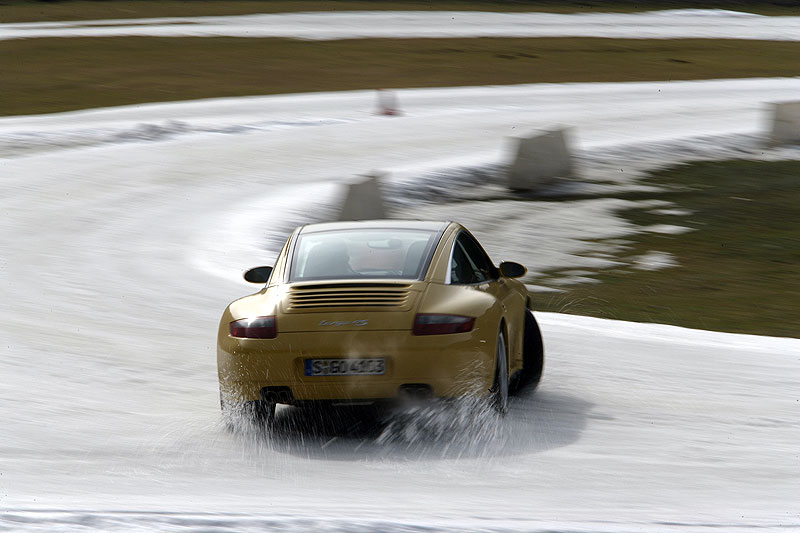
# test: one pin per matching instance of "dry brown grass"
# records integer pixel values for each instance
(49, 75)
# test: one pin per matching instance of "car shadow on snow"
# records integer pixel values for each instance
(444, 430)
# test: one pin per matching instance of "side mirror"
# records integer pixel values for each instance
(510, 269)
(258, 274)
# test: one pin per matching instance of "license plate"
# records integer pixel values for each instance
(345, 367)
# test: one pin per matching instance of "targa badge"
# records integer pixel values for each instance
(337, 323)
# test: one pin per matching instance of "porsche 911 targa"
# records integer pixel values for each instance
(358, 312)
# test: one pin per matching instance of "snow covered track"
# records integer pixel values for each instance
(603, 114)
(119, 256)
(671, 24)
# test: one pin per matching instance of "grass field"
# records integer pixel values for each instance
(739, 267)
(34, 10)
(50, 75)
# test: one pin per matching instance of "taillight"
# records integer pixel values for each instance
(431, 324)
(262, 327)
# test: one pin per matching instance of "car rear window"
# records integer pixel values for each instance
(362, 253)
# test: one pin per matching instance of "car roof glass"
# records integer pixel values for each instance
(362, 253)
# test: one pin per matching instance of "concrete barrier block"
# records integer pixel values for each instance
(363, 200)
(539, 159)
(387, 103)
(785, 123)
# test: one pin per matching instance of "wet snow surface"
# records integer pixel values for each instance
(124, 233)
(668, 24)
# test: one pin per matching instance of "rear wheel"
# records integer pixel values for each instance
(499, 390)
(532, 355)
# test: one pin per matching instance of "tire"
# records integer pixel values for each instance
(499, 390)
(532, 354)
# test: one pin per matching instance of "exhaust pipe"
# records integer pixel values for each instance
(277, 394)
(271, 396)
(416, 391)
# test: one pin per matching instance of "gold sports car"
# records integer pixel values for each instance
(359, 312)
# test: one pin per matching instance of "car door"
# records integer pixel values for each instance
(470, 265)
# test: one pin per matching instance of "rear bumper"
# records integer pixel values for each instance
(451, 365)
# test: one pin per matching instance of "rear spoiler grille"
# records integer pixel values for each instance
(329, 295)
